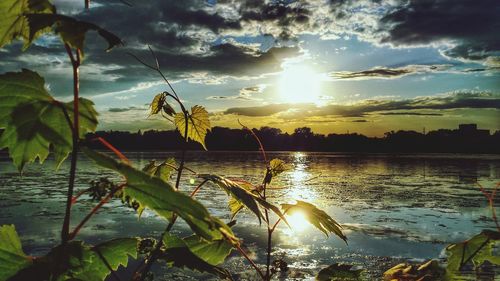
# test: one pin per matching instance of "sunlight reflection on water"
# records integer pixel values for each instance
(392, 207)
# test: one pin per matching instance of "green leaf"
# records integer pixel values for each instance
(339, 272)
(213, 252)
(71, 31)
(13, 23)
(316, 217)
(163, 170)
(157, 104)
(197, 126)
(77, 261)
(243, 196)
(34, 121)
(162, 198)
(234, 205)
(114, 252)
(12, 257)
(276, 167)
(168, 109)
(177, 253)
(477, 250)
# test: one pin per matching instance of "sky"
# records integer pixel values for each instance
(336, 66)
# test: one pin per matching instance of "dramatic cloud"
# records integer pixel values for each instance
(387, 73)
(246, 94)
(456, 100)
(470, 26)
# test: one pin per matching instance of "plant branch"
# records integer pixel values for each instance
(140, 273)
(491, 197)
(94, 210)
(252, 263)
(75, 62)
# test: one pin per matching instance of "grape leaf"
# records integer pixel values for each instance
(243, 196)
(12, 257)
(78, 261)
(13, 23)
(234, 205)
(477, 250)
(177, 253)
(168, 109)
(213, 252)
(163, 170)
(339, 272)
(162, 198)
(276, 167)
(197, 126)
(71, 31)
(316, 217)
(34, 121)
(157, 104)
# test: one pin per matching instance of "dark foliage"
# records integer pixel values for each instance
(464, 140)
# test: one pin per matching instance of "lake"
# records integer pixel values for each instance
(393, 207)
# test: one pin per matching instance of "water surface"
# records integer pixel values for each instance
(393, 207)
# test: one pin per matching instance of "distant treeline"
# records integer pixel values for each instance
(303, 139)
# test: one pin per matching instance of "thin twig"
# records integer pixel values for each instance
(252, 263)
(112, 148)
(94, 210)
(65, 237)
(261, 147)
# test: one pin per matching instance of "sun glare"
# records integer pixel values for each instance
(297, 221)
(299, 84)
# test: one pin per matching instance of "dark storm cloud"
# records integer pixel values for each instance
(282, 12)
(457, 100)
(386, 72)
(472, 25)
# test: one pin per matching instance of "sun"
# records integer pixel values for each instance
(299, 84)
(297, 221)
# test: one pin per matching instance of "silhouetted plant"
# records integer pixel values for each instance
(57, 127)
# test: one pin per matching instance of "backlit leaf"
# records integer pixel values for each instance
(72, 31)
(13, 23)
(78, 261)
(197, 126)
(162, 198)
(213, 252)
(163, 170)
(243, 196)
(12, 257)
(339, 272)
(168, 109)
(476, 250)
(157, 103)
(234, 205)
(276, 167)
(177, 253)
(34, 121)
(316, 217)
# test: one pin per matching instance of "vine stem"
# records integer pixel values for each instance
(270, 229)
(252, 263)
(140, 273)
(491, 197)
(75, 62)
(94, 210)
